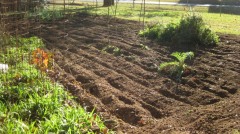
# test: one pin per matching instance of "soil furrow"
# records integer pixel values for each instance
(127, 88)
(97, 86)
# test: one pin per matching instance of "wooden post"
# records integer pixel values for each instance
(159, 4)
(144, 11)
(133, 3)
(64, 6)
(221, 8)
(141, 12)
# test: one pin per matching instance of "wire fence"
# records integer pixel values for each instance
(16, 51)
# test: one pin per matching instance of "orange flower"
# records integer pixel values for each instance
(40, 58)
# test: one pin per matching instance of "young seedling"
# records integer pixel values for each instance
(176, 68)
(112, 49)
(145, 47)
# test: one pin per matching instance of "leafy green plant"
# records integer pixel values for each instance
(177, 67)
(46, 14)
(112, 49)
(191, 33)
(168, 32)
(152, 31)
(144, 47)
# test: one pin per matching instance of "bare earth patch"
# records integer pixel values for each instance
(128, 92)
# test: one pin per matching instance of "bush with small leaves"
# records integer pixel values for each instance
(152, 31)
(191, 33)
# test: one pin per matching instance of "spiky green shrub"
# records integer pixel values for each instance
(152, 31)
(168, 32)
(176, 68)
(193, 33)
(189, 34)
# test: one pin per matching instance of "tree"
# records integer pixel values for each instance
(107, 3)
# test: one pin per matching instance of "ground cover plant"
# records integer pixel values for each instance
(190, 33)
(30, 102)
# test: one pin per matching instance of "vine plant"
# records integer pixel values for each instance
(177, 67)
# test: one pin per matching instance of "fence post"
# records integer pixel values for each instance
(64, 6)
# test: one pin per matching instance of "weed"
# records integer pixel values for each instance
(112, 50)
(144, 47)
(177, 67)
(46, 14)
(130, 58)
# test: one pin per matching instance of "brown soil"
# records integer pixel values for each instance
(127, 90)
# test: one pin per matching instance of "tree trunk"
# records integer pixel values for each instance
(107, 3)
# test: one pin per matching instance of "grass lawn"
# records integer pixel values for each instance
(221, 23)
(30, 102)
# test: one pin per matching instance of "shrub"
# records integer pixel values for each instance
(190, 33)
(153, 31)
(168, 33)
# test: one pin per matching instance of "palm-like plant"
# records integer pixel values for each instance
(176, 68)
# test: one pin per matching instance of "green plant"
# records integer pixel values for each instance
(152, 31)
(112, 49)
(31, 103)
(46, 14)
(177, 67)
(190, 33)
(168, 32)
(13, 54)
(144, 47)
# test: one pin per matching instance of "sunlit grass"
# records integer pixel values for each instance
(30, 102)
(220, 23)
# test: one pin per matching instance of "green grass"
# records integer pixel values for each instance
(227, 2)
(30, 102)
(224, 23)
